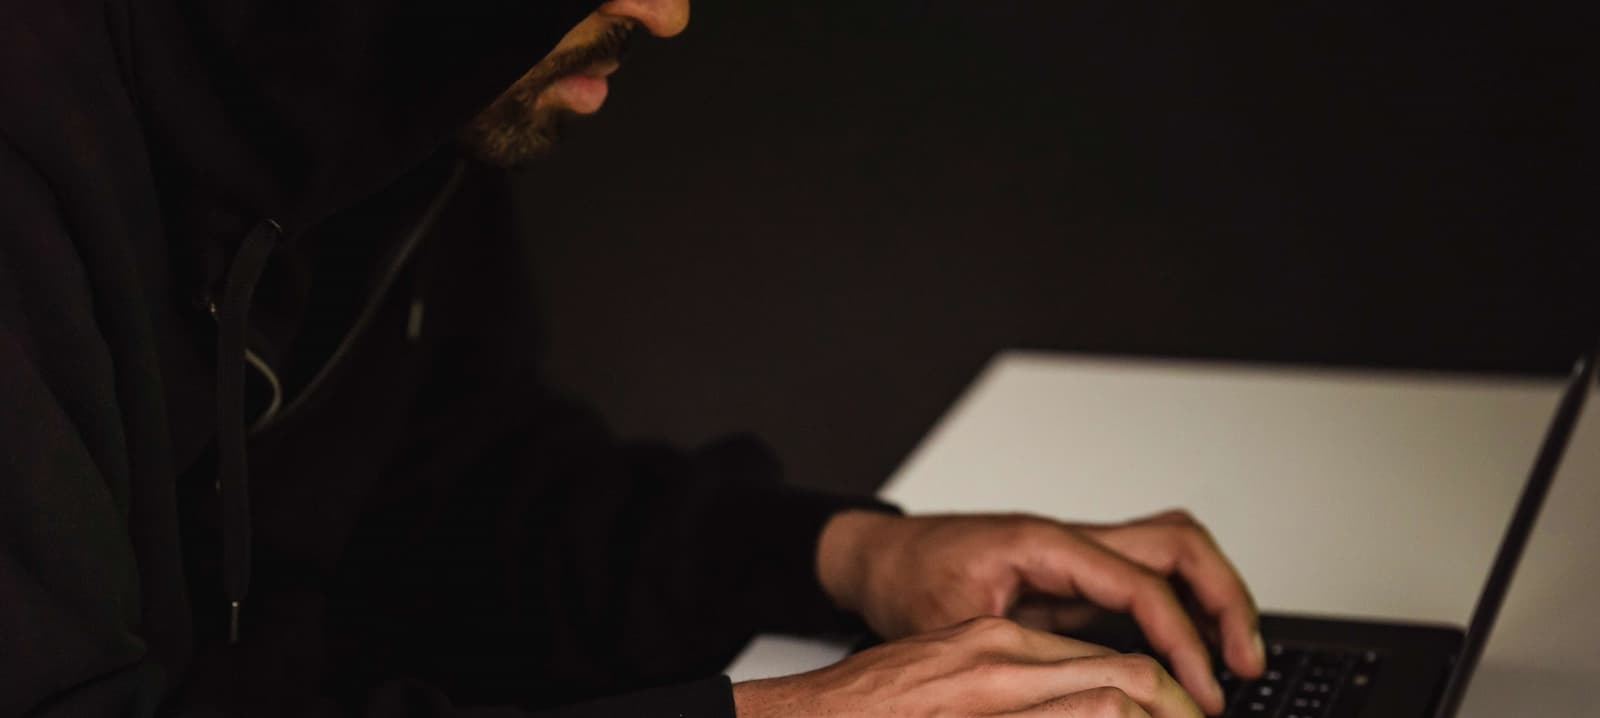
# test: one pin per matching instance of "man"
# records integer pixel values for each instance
(273, 441)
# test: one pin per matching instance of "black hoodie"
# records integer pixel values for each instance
(267, 364)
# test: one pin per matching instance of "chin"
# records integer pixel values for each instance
(514, 144)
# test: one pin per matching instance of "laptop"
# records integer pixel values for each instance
(1333, 668)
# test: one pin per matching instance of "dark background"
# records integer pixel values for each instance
(817, 220)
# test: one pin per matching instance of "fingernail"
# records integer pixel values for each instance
(1260, 647)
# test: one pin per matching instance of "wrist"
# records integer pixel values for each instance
(844, 561)
(760, 699)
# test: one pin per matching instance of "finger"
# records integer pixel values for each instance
(1174, 543)
(1139, 678)
(1221, 593)
(1093, 703)
(1057, 615)
(1075, 616)
(1066, 564)
(1034, 613)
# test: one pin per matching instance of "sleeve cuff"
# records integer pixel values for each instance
(779, 526)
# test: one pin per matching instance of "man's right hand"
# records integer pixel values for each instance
(984, 667)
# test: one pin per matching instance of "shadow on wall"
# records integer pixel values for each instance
(816, 222)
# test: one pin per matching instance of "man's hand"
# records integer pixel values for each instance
(912, 575)
(983, 667)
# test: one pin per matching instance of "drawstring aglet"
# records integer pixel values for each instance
(233, 622)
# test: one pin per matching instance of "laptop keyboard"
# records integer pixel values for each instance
(1304, 681)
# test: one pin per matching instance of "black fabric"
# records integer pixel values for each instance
(433, 532)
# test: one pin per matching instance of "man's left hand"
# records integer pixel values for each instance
(907, 575)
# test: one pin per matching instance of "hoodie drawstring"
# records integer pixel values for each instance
(232, 461)
(233, 324)
(390, 272)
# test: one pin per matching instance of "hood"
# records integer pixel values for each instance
(294, 109)
(264, 118)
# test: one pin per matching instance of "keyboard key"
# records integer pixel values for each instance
(1357, 684)
(1306, 703)
(1324, 672)
(1283, 657)
(1303, 681)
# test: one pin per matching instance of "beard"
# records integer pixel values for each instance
(513, 130)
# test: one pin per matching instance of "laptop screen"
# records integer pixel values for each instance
(1518, 532)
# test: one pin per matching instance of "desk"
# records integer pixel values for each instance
(1352, 493)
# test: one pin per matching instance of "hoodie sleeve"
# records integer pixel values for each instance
(603, 565)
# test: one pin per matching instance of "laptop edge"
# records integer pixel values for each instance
(1517, 534)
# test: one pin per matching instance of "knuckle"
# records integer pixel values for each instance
(1193, 530)
(1198, 536)
(1108, 702)
(1144, 675)
(1190, 543)
(1179, 516)
(1027, 532)
(989, 628)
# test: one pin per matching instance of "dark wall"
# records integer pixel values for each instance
(817, 220)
